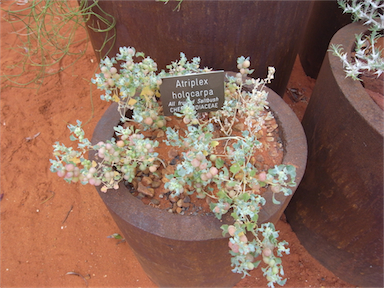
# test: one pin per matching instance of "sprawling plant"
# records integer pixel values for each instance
(228, 176)
(367, 54)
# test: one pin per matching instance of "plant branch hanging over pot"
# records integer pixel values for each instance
(212, 154)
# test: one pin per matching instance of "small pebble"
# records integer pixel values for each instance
(180, 203)
(165, 180)
(260, 158)
(160, 133)
(174, 160)
(172, 153)
(140, 196)
(145, 190)
(272, 128)
(135, 183)
(155, 183)
(173, 199)
(186, 205)
(146, 181)
(239, 127)
(155, 201)
(258, 135)
(239, 176)
(187, 199)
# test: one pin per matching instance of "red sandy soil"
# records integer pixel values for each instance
(52, 231)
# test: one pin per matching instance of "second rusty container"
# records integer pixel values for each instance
(270, 32)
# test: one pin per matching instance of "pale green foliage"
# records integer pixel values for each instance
(236, 185)
(134, 152)
(369, 11)
(367, 54)
(135, 86)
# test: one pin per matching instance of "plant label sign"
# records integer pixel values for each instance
(206, 91)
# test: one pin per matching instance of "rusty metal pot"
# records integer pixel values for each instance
(269, 32)
(190, 251)
(337, 212)
(325, 19)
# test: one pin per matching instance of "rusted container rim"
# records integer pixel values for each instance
(361, 101)
(169, 225)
